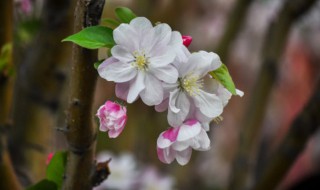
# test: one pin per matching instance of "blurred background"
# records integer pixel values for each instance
(253, 127)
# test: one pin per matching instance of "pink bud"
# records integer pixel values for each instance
(113, 118)
(187, 40)
(49, 157)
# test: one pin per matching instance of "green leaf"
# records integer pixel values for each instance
(96, 64)
(5, 55)
(124, 14)
(111, 22)
(223, 76)
(93, 37)
(43, 185)
(56, 168)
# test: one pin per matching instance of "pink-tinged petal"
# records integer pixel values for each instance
(165, 155)
(153, 92)
(112, 107)
(163, 106)
(188, 132)
(183, 157)
(107, 62)
(171, 133)
(191, 122)
(117, 72)
(168, 73)
(209, 104)
(163, 142)
(122, 90)
(136, 86)
(115, 133)
(126, 36)
(182, 104)
(122, 54)
(186, 40)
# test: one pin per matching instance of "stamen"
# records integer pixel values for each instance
(191, 84)
(218, 119)
(140, 61)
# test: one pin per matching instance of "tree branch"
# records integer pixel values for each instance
(37, 91)
(272, 51)
(305, 124)
(81, 132)
(234, 23)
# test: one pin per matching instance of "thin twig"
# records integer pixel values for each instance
(272, 51)
(81, 133)
(305, 124)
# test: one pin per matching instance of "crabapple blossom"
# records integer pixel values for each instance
(178, 142)
(112, 118)
(189, 96)
(142, 59)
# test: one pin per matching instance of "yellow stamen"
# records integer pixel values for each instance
(191, 84)
(140, 60)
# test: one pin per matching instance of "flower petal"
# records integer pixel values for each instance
(153, 92)
(162, 60)
(122, 90)
(163, 106)
(125, 35)
(188, 132)
(141, 25)
(136, 86)
(209, 104)
(203, 141)
(122, 54)
(163, 142)
(183, 157)
(211, 58)
(179, 106)
(165, 155)
(168, 74)
(117, 72)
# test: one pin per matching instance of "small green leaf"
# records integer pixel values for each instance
(124, 14)
(56, 168)
(93, 37)
(5, 55)
(111, 22)
(223, 76)
(43, 185)
(96, 64)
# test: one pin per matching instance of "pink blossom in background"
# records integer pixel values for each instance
(49, 157)
(186, 40)
(113, 118)
(178, 142)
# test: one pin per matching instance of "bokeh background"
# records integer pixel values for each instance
(41, 67)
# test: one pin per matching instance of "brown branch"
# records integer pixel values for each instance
(305, 124)
(81, 132)
(272, 51)
(38, 90)
(234, 23)
(8, 177)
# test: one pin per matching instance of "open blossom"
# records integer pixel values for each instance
(189, 97)
(141, 60)
(112, 118)
(178, 142)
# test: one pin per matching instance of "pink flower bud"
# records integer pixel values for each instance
(49, 157)
(113, 118)
(186, 40)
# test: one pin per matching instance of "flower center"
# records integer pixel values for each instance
(140, 60)
(191, 84)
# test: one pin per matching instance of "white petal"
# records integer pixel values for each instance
(211, 58)
(176, 39)
(180, 146)
(168, 74)
(163, 142)
(122, 54)
(209, 104)
(122, 90)
(162, 60)
(107, 62)
(239, 92)
(153, 92)
(163, 106)
(203, 140)
(141, 25)
(178, 108)
(183, 157)
(187, 132)
(136, 86)
(126, 36)
(117, 72)
(206, 126)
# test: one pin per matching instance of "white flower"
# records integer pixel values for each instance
(122, 171)
(112, 117)
(178, 142)
(188, 97)
(142, 60)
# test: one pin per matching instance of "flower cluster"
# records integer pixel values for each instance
(154, 64)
